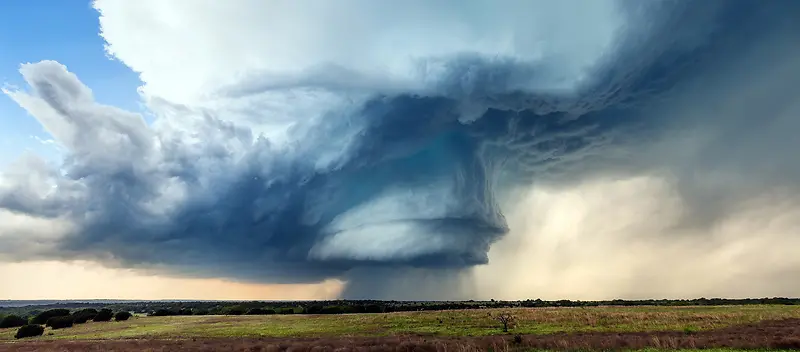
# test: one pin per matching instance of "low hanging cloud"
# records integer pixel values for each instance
(394, 144)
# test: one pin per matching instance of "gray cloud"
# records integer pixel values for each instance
(410, 181)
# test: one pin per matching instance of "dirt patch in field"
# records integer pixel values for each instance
(779, 334)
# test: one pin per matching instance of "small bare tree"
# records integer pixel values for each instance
(507, 320)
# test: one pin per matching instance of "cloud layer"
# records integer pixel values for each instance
(386, 143)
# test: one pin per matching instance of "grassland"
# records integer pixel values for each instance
(530, 321)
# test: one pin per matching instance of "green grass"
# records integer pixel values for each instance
(440, 323)
(696, 350)
(706, 350)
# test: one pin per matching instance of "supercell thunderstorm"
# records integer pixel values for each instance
(412, 169)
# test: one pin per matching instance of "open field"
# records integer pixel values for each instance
(545, 328)
(439, 323)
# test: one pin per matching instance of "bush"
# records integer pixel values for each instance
(357, 309)
(12, 321)
(216, 310)
(185, 311)
(332, 310)
(200, 312)
(29, 331)
(81, 319)
(104, 315)
(286, 311)
(83, 315)
(43, 317)
(235, 310)
(260, 311)
(517, 339)
(373, 308)
(122, 316)
(162, 313)
(315, 309)
(59, 322)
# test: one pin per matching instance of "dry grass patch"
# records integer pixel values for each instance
(529, 321)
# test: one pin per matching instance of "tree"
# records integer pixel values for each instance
(104, 314)
(507, 320)
(122, 316)
(162, 313)
(260, 311)
(84, 315)
(29, 331)
(374, 308)
(332, 310)
(42, 317)
(234, 310)
(59, 322)
(12, 321)
(315, 309)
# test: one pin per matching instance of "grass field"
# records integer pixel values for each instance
(428, 323)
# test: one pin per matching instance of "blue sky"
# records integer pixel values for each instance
(65, 31)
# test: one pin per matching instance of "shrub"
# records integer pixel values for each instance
(29, 331)
(332, 310)
(59, 322)
(373, 308)
(315, 309)
(517, 339)
(42, 317)
(81, 319)
(104, 315)
(83, 315)
(260, 311)
(185, 311)
(355, 309)
(286, 311)
(200, 312)
(12, 321)
(235, 310)
(122, 316)
(162, 313)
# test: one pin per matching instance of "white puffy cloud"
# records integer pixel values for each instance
(186, 51)
(66, 109)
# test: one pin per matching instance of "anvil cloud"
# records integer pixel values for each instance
(297, 141)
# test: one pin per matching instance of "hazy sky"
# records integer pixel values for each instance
(582, 149)
(81, 280)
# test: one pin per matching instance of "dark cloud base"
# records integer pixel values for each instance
(414, 188)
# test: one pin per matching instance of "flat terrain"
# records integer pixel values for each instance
(465, 330)
(478, 322)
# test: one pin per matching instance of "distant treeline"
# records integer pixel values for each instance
(155, 308)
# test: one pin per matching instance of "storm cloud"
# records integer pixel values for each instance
(390, 151)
